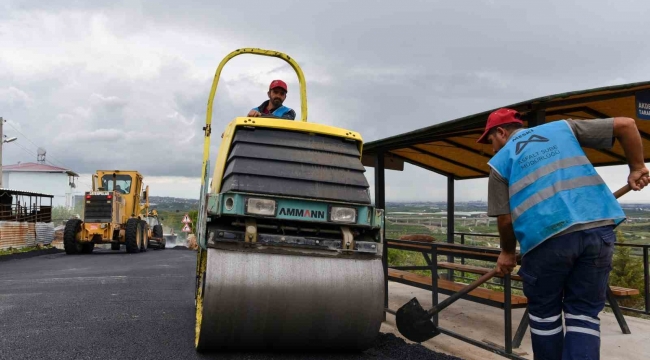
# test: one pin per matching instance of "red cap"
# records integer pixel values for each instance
(498, 118)
(278, 83)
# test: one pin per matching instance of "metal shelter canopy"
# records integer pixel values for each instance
(4, 191)
(450, 148)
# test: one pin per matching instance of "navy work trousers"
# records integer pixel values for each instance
(569, 274)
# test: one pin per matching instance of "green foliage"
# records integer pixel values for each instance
(25, 249)
(627, 271)
(396, 257)
(407, 258)
(174, 219)
(61, 214)
(194, 215)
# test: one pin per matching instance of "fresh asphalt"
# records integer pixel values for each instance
(114, 305)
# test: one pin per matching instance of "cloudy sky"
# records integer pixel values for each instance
(121, 84)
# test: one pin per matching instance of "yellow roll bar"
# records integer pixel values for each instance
(208, 115)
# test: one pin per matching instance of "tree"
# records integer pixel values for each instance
(61, 214)
(627, 271)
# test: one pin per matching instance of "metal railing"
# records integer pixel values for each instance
(646, 278)
(25, 213)
(431, 251)
(646, 270)
(495, 281)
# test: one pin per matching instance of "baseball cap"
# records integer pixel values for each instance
(278, 83)
(498, 118)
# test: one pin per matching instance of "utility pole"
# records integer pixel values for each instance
(2, 122)
(2, 142)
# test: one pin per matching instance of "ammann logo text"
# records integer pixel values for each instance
(314, 214)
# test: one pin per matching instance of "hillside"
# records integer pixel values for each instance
(164, 203)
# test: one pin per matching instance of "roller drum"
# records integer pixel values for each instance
(278, 301)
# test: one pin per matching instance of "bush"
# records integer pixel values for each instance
(407, 258)
(627, 271)
(61, 214)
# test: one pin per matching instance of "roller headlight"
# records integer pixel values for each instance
(264, 207)
(230, 203)
(343, 214)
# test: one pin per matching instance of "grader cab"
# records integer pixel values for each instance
(111, 215)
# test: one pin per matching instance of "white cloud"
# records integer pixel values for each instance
(125, 84)
(13, 97)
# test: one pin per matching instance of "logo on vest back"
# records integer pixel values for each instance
(521, 145)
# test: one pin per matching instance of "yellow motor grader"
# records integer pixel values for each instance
(112, 214)
(155, 235)
(290, 246)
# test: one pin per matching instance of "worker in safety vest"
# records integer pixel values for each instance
(277, 94)
(547, 195)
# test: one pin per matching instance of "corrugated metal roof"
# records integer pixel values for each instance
(22, 192)
(450, 148)
(34, 167)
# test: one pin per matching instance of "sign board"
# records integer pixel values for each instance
(643, 105)
(186, 228)
(186, 219)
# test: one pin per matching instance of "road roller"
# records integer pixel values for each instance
(290, 244)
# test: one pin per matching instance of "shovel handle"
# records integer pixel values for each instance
(622, 191)
(448, 301)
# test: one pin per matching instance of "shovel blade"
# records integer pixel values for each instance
(414, 323)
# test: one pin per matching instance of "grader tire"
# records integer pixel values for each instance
(158, 234)
(133, 235)
(145, 236)
(115, 246)
(72, 228)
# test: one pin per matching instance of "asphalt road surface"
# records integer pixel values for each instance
(113, 305)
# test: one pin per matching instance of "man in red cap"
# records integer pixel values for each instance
(547, 196)
(273, 106)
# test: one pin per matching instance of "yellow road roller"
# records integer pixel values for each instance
(290, 245)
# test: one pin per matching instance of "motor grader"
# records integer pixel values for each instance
(290, 246)
(155, 234)
(112, 214)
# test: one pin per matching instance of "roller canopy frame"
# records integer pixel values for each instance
(213, 91)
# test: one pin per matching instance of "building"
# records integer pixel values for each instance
(41, 178)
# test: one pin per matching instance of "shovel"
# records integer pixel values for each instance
(415, 323)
